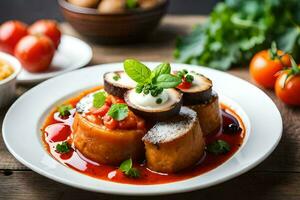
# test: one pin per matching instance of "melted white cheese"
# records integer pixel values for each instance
(86, 103)
(147, 100)
(124, 80)
(169, 98)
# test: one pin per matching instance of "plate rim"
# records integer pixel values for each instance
(139, 193)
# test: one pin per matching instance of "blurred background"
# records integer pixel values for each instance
(31, 10)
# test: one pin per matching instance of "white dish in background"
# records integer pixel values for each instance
(8, 85)
(259, 114)
(71, 54)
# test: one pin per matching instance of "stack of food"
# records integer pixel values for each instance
(181, 108)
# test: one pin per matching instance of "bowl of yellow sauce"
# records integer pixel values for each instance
(9, 69)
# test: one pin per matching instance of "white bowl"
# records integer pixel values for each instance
(8, 85)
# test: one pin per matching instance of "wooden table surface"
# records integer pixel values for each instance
(278, 177)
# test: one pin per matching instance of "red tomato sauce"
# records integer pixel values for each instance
(56, 130)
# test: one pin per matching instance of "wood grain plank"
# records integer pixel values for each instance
(253, 185)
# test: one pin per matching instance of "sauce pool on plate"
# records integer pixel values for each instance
(57, 130)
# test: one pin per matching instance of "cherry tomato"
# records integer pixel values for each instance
(94, 118)
(101, 111)
(48, 28)
(35, 52)
(140, 124)
(263, 68)
(109, 122)
(184, 84)
(128, 123)
(288, 89)
(10, 34)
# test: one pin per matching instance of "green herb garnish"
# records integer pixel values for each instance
(130, 4)
(118, 111)
(164, 68)
(128, 170)
(99, 99)
(64, 147)
(158, 100)
(189, 78)
(64, 110)
(151, 82)
(116, 77)
(218, 147)
(167, 81)
(137, 71)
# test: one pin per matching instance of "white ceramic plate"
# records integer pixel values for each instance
(72, 54)
(23, 139)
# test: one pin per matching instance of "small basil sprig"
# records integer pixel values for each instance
(64, 110)
(137, 71)
(151, 81)
(163, 68)
(64, 147)
(99, 99)
(128, 170)
(218, 147)
(167, 81)
(118, 111)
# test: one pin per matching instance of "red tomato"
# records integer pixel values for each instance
(263, 68)
(140, 124)
(109, 122)
(184, 84)
(10, 34)
(288, 90)
(128, 123)
(48, 28)
(35, 52)
(101, 111)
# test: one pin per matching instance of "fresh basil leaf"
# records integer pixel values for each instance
(118, 111)
(64, 110)
(133, 173)
(167, 81)
(99, 99)
(164, 68)
(126, 165)
(136, 70)
(64, 147)
(128, 170)
(218, 147)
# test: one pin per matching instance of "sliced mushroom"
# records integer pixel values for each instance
(145, 106)
(117, 83)
(199, 92)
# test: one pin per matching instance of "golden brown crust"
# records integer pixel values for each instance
(209, 115)
(179, 153)
(106, 146)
